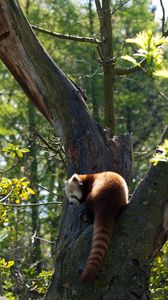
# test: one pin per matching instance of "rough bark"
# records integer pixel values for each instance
(89, 149)
(107, 60)
(55, 95)
(139, 234)
(36, 258)
(93, 65)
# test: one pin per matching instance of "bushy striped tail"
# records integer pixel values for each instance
(101, 238)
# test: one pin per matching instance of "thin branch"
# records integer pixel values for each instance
(6, 197)
(125, 71)
(27, 6)
(67, 36)
(44, 188)
(119, 52)
(30, 204)
(119, 6)
(2, 238)
(160, 92)
(92, 75)
(163, 95)
(51, 147)
(44, 141)
(12, 167)
(163, 17)
(100, 16)
(43, 240)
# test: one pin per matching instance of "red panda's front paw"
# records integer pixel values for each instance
(86, 217)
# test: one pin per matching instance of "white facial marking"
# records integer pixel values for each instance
(73, 190)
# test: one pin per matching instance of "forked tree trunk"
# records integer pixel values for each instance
(139, 234)
(141, 228)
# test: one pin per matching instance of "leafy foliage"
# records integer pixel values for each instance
(151, 49)
(3, 215)
(15, 150)
(5, 265)
(16, 189)
(159, 275)
(161, 154)
(5, 270)
(42, 282)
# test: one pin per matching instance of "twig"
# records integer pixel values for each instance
(6, 197)
(119, 52)
(51, 147)
(30, 204)
(125, 71)
(160, 93)
(12, 167)
(163, 17)
(43, 240)
(44, 188)
(94, 73)
(2, 238)
(66, 36)
(44, 140)
(163, 95)
(164, 135)
(118, 7)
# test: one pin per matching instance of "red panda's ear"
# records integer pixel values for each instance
(76, 178)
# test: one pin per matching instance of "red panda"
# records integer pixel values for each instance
(104, 195)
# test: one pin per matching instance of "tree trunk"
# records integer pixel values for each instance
(52, 220)
(89, 149)
(126, 270)
(1, 290)
(36, 244)
(106, 54)
(92, 65)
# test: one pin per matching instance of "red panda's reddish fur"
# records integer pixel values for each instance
(104, 194)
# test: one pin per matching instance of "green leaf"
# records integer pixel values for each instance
(12, 154)
(9, 264)
(150, 50)
(161, 73)
(24, 150)
(19, 153)
(163, 156)
(131, 59)
(22, 179)
(31, 191)
(5, 149)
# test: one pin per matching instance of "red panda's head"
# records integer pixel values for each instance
(73, 189)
